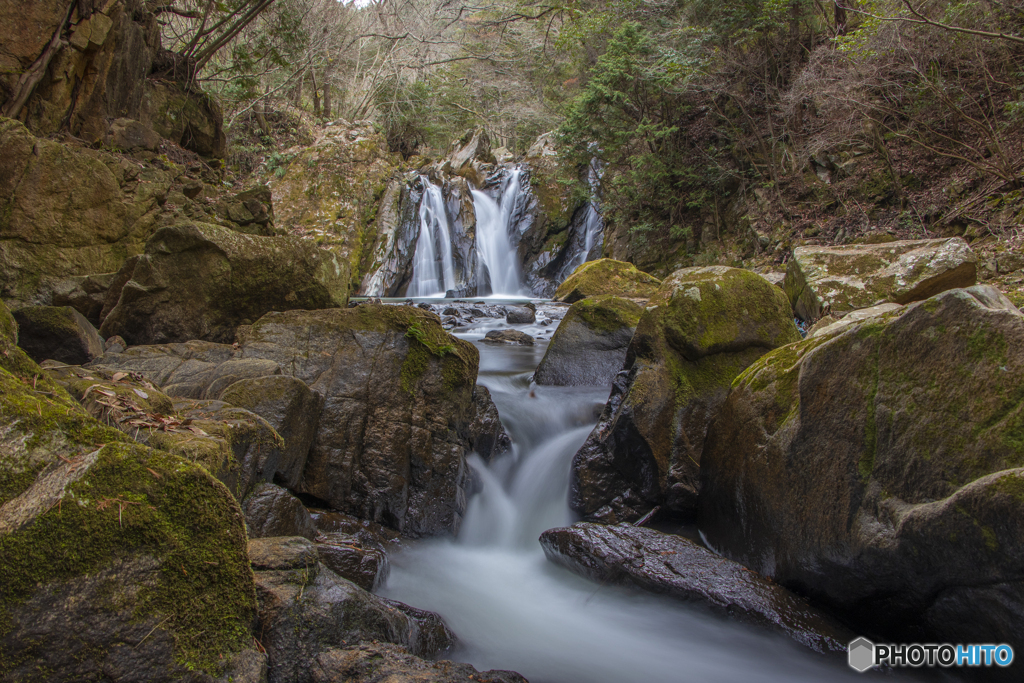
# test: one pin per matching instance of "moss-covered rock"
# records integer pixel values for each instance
(705, 327)
(188, 117)
(606, 276)
(59, 333)
(331, 190)
(144, 570)
(876, 469)
(200, 281)
(589, 346)
(840, 279)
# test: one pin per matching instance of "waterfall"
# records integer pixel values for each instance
(498, 262)
(433, 271)
(593, 223)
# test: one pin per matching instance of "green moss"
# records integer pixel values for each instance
(413, 367)
(607, 313)
(1011, 485)
(607, 276)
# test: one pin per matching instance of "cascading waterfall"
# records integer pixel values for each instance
(498, 262)
(433, 271)
(512, 609)
(593, 223)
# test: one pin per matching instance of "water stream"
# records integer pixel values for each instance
(512, 609)
(433, 270)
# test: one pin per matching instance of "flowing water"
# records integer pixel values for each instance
(433, 271)
(497, 260)
(512, 609)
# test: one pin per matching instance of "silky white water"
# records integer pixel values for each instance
(497, 260)
(512, 609)
(433, 270)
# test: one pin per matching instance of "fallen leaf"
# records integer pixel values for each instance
(140, 393)
(118, 376)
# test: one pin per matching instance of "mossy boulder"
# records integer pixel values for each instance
(397, 412)
(200, 281)
(59, 333)
(589, 346)
(189, 117)
(844, 278)
(879, 469)
(144, 571)
(704, 327)
(331, 192)
(607, 276)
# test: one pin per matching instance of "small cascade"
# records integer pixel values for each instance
(497, 262)
(433, 271)
(593, 223)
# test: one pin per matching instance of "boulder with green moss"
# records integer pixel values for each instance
(703, 327)
(607, 276)
(880, 469)
(189, 117)
(397, 413)
(844, 278)
(200, 281)
(59, 333)
(135, 556)
(590, 343)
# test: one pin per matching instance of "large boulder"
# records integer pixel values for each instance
(703, 327)
(675, 566)
(397, 389)
(200, 281)
(306, 609)
(291, 408)
(189, 117)
(844, 278)
(380, 662)
(589, 346)
(59, 333)
(143, 575)
(607, 276)
(879, 470)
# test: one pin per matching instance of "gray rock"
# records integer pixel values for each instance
(521, 315)
(364, 563)
(675, 566)
(487, 436)
(291, 408)
(383, 663)
(508, 337)
(272, 511)
(57, 333)
(589, 345)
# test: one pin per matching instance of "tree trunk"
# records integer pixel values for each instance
(327, 99)
(316, 95)
(840, 16)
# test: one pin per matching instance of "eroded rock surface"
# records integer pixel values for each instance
(879, 469)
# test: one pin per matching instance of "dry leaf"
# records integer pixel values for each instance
(140, 393)
(118, 376)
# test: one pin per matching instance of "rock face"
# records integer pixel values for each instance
(144, 533)
(354, 557)
(380, 663)
(703, 327)
(398, 400)
(306, 609)
(487, 436)
(589, 346)
(271, 511)
(59, 333)
(844, 278)
(606, 276)
(879, 470)
(200, 281)
(679, 567)
(332, 189)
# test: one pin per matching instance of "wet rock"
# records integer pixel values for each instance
(200, 281)
(367, 531)
(450, 311)
(521, 315)
(291, 408)
(703, 327)
(894, 492)
(487, 436)
(589, 345)
(844, 278)
(380, 663)
(364, 563)
(397, 389)
(137, 520)
(678, 567)
(57, 333)
(508, 337)
(607, 276)
(272, 511)
(283, 552)
(307, 610)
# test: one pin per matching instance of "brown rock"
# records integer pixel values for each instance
(57, 333)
